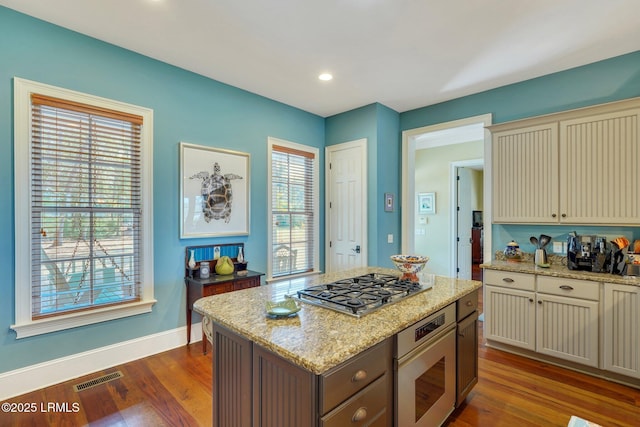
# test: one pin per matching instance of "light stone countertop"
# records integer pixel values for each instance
(559, 270)
(318, 338)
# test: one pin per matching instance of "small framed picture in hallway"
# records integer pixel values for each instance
(427, 203)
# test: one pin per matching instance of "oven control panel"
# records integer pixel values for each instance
(429, 327)
(423, 331)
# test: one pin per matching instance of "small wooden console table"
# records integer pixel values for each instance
(215, 284)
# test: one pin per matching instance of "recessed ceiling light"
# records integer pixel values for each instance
(325, 77)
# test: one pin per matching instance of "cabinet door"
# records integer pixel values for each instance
(510, 316)
(525, 175)
(232, 380)
(567, 328)
(467, 357)
(599, 177)
(283, 393)
(622, 329)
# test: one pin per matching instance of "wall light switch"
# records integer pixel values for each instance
(557, 247)
(389, 238)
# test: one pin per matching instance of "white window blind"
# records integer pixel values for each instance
(85, 207)
(294, 217)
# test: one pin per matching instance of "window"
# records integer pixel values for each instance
(294, 209)
(83, 213)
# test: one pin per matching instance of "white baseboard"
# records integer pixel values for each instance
(34, 377)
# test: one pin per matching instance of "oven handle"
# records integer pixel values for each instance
(417, 352)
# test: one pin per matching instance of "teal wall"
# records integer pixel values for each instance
(605, 81)
(187, 107)
(388, 179)
(380, 126)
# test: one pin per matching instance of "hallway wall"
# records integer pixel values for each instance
(432, 174)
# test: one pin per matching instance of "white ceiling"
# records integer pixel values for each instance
(404, 54)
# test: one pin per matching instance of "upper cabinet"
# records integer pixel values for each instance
(575, 167)
(599, 176)
(525, 174)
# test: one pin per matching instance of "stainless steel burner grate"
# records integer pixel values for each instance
(359, 295)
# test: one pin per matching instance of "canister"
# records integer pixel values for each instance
(204, 270)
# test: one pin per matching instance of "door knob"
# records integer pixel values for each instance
(356, 249)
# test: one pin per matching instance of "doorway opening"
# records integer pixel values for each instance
(467, 217)
(449, 137)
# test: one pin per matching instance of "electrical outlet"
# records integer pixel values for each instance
(557, 247)
(389, 238)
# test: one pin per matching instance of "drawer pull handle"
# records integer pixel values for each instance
(359, 376)
(508, 280)
(566, 287)
(359, 415)
(469, 303)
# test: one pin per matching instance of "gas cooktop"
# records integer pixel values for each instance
(360, 295)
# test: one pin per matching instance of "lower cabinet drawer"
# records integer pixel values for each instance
(508, 279)
(574, 288)
(346, 380)
(467, 305)
(367, 408)
(216, 289)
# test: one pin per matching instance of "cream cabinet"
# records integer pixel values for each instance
(600, 155)
(509, 308)
(525, 174)
(574, 167)
(592, 325)
(621, 329)
(549, 315)
(567, 319)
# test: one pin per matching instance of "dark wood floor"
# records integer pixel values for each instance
(173, 389)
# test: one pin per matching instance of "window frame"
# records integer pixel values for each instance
(25, 325)
(315, 198)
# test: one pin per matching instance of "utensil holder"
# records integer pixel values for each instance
(540, 257)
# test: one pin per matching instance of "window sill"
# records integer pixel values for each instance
(74, 320)
(292, 276)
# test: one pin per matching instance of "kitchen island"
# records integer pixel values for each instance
(310, 347)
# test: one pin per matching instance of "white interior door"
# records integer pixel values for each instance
(465, 222)
(346, 186)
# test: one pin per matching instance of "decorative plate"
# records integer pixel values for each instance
(285, 308)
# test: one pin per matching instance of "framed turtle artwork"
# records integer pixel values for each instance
(214, 192)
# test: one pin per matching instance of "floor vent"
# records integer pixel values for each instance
(97, 381)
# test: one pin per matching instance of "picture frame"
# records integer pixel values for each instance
(427, 203)
(388, 202)
(214, 200)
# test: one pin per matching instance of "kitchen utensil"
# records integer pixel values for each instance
(541, 258)
(544, 240)
(534, 241)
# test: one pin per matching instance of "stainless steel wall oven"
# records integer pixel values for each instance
(426, 370)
